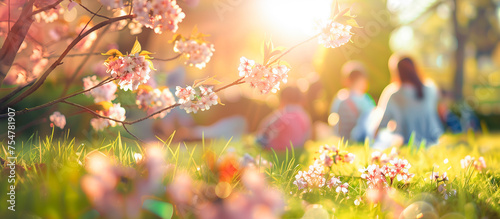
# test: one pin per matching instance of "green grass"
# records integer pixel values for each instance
(50, 171)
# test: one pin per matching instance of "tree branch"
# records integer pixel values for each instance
(105, 81)
(44, 76)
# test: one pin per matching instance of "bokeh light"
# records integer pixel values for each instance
(293, 15)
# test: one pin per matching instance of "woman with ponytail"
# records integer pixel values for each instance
(409, 104)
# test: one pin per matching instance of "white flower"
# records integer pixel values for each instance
(342, 188)
(334, 34)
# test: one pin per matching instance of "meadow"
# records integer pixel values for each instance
(60, 177)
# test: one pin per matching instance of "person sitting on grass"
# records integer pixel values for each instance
(289, 125)
(409, 105)
(352, 105)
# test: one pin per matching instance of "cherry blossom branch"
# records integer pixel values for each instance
(124, 123)
(95, 13)
(103, 117)
(82, 64)
(58, 62)
(14, 92)
(105, 81)
(99, 53)
(74, 55)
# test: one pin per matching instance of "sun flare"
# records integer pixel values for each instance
(293, 15)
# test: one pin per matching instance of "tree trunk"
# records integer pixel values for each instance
(459, 56)
(14, 40)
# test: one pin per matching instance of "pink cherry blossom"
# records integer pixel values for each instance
(155, 100)
(264, 78)
(105, 92)
(58, 119)
(131, 70)
(159, 15)
(114, 112)
(193, 100)
(197, 54)
(334, 34)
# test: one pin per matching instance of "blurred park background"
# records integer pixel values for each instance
(455, 43)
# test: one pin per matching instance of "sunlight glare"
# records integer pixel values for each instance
(290, 15)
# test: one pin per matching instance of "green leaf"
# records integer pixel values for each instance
(137, 47)
(336, 8)
(162, 209)
(112, 52)
(209, 81)
(176, 37)
(267, 50)
(348, 14)
(352, 23)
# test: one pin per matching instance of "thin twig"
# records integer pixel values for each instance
(82, 64)
(169, 59)
(74, 55)
(90, 20)
(95, 13)
(14, 92)
(137, 138)
(292, 48)
(105, 81)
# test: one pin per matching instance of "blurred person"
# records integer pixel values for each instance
(352, 105)
(457, 118)
(408, 106)
(288, 125)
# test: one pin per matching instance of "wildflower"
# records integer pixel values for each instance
(334, 34)
(333, 182)
(434, 176)
(374, 176)
(479, 164)
(444, 177)
(159, 15)
(349, 158)
(401, 169)
(58, 119)
(357, 201)
(197, 54)
(105, 92)
(137, 157)
(313, 178)
(342, 188)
